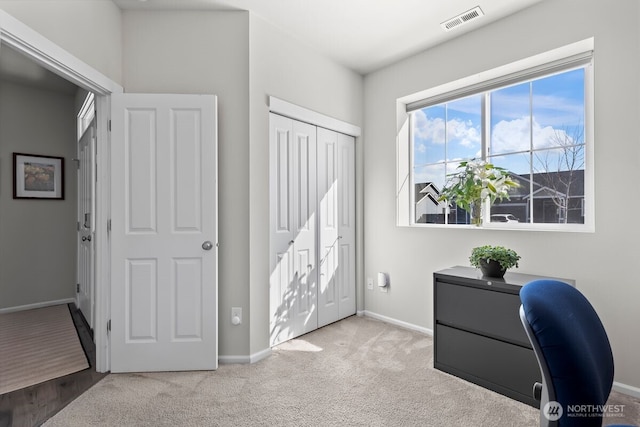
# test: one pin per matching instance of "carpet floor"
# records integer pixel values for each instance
(38, 345)
(356, 372)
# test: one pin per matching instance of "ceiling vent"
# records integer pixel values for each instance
(463, 18)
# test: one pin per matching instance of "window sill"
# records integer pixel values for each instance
(566, 228)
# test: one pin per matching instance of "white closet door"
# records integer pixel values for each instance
(336, 191)
(293, 225)
(328, 296)
(346, 226)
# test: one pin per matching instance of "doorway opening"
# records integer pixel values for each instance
(47, 55)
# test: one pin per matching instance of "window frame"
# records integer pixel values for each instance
(576, 55)
(86, 114)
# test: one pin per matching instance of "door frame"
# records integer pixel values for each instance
(51, 56)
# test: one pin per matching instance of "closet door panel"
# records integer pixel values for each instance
(328, 174)
(347, 225)
(293, 229)
(282, 229)
(304, 201)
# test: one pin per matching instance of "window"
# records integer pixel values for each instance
(86, 113)
(534, 123)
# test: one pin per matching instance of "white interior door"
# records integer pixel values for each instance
(164, 233)
(86, 222)
(293, 282)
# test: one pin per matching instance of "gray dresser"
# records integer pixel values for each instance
(478, 335)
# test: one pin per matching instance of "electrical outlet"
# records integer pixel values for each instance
(369, 283)
(236, 315)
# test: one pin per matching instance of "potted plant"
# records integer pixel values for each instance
(475, 182)
(493, 261)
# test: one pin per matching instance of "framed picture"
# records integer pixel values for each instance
(38, 177)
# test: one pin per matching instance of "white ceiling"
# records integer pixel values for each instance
(363, 35)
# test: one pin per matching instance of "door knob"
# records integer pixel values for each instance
(207, 246)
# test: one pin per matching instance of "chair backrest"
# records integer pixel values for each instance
(571, 341)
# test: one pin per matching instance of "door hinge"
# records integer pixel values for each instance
(109, 325)
(77, 288)
(109, 125)
(108, 226)
(78, 226)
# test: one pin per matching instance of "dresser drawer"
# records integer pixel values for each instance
(505, 368)
(491, 313)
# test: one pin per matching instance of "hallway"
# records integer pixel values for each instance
(33, 405)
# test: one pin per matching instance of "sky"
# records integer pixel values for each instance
(542, 114)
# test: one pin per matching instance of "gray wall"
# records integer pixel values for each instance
(90, 30)
(283, 67)
(603, 263)
(37, 237)
(208, 53)
(229, 54)
(241, 59)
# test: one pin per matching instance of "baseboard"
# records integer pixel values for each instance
(626, 389)
(619, 387)
(399, 323)
(244, 360)
(36, 305)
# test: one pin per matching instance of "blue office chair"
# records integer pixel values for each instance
(573, 353)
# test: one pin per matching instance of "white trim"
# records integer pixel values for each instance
(399, 323)
(629, 390)
(36, 305)
(293, 111)
(102, 274)
(51, 56)
(244, 360)
(579, 51)
(263, 354)
(553, 55)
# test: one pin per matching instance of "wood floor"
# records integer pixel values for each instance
(33, 405)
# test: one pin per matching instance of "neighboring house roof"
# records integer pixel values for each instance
(545, 185)
(550, 184)
(427, 191)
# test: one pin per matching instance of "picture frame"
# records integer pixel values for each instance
(38, 177)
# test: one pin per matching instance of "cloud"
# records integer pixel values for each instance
(514, 135)
(464, 132)
(550, 109)
(433, 130)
